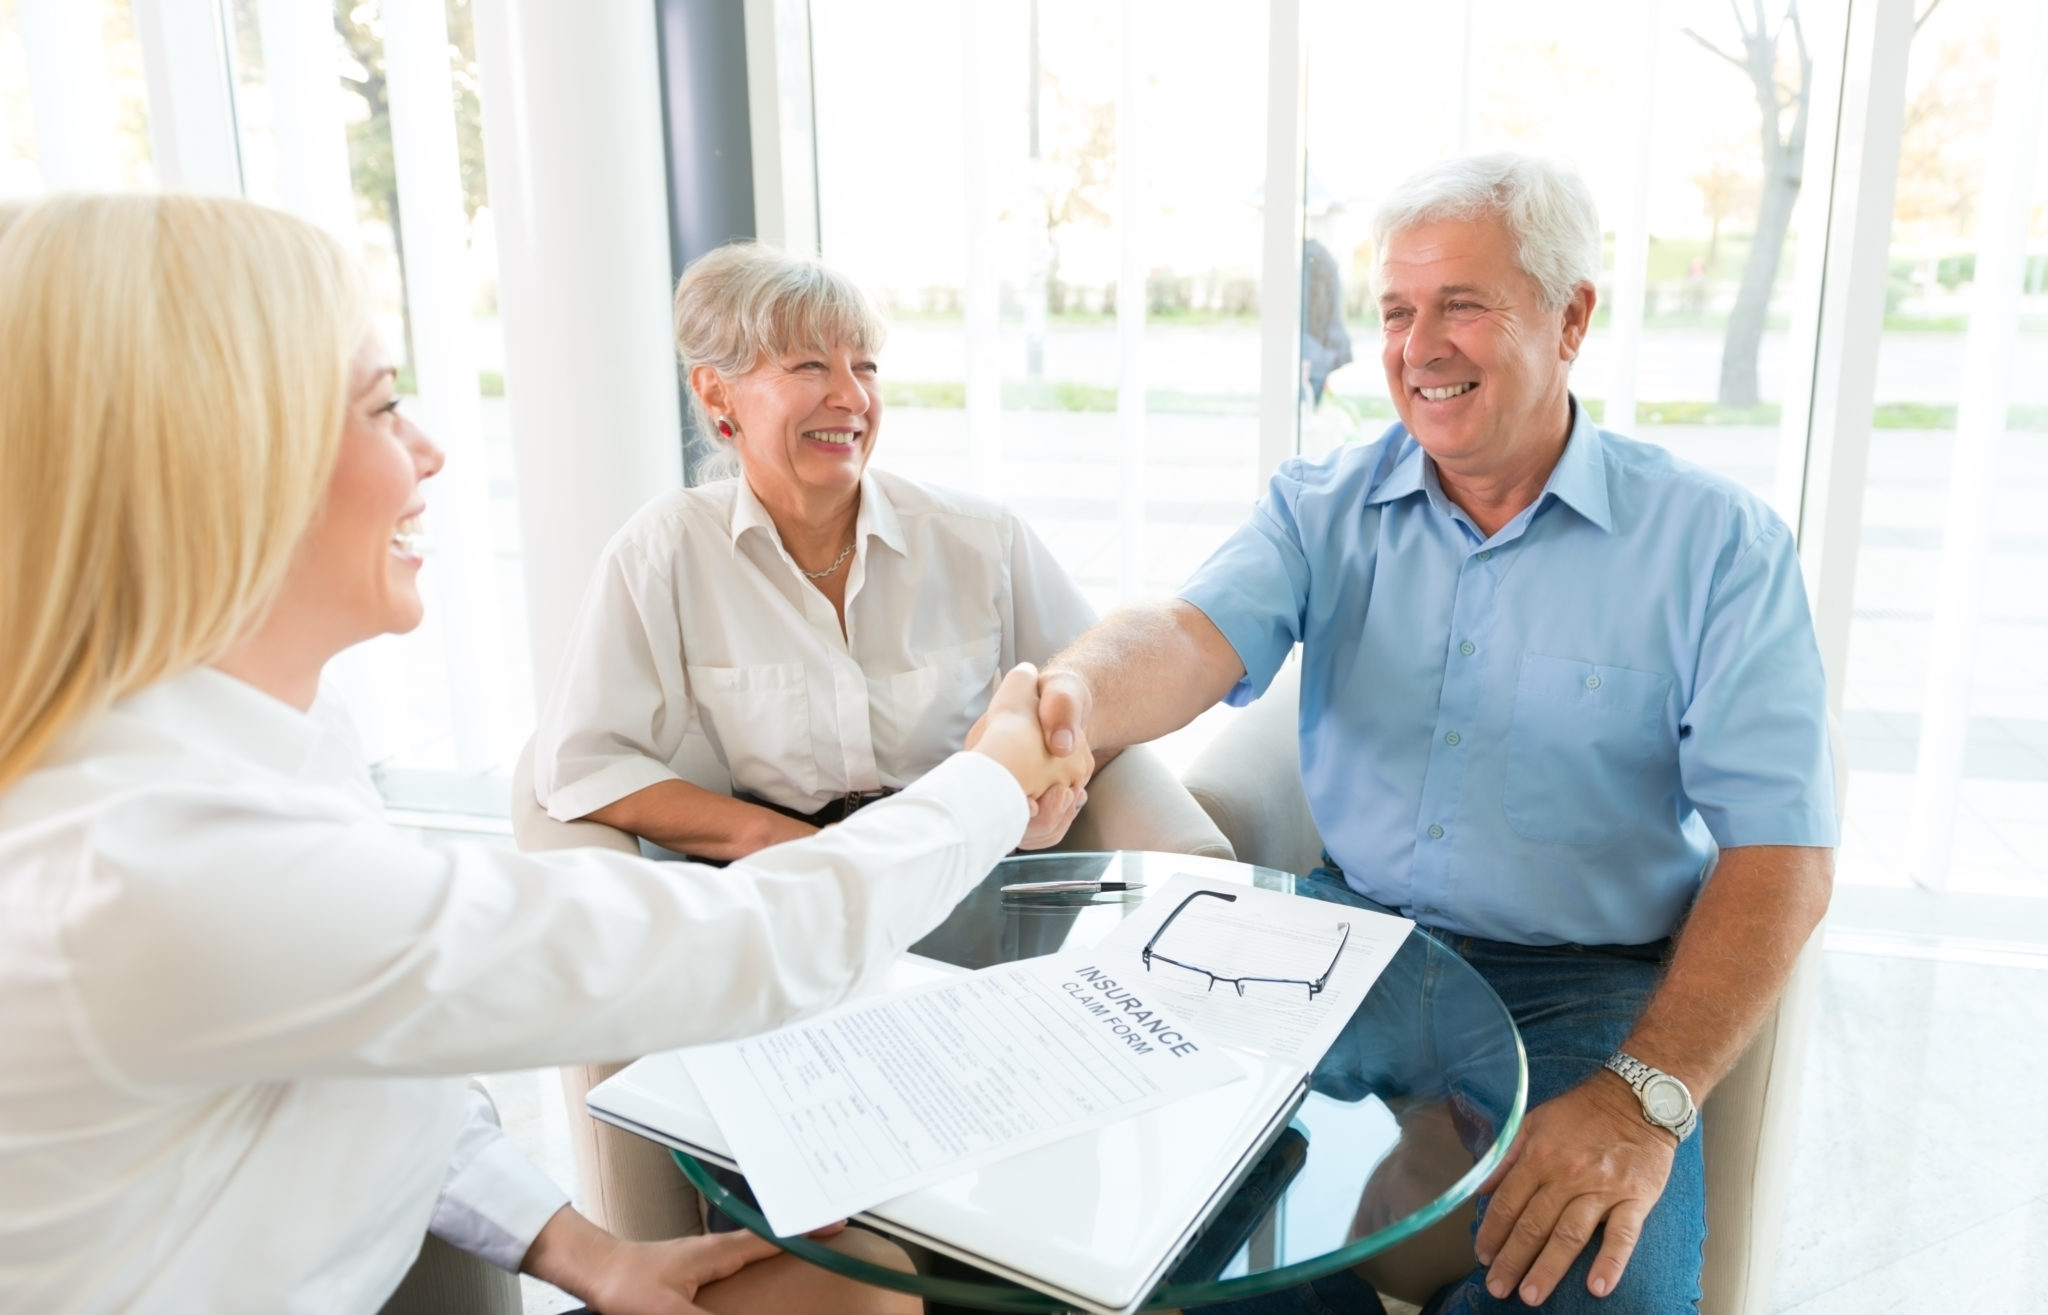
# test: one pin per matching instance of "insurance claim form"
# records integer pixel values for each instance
(830, 1117)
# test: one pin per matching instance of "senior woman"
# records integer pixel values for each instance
(228, 989)
(759, 656)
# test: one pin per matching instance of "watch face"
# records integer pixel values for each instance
(1665, 1098)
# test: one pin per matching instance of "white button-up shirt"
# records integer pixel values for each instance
(230, 992)
(702, 654)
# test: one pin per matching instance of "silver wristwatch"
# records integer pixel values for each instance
(1666, 1102)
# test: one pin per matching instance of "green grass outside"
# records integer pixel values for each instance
(1020, 395)
(490, 383)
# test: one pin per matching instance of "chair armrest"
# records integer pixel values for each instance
(1249, 782)
(1136, 803)
(534, 830)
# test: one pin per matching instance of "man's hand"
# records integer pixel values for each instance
(1585, 1159)
(1008, 732)
(1051, 814)
(1064, 702)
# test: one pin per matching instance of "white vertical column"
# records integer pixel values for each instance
(1980, 428)
(302, 67)
(979, 294)
(438, 297)
(1873, 102)
(573, 139)
(1632, 230)
(780, 123)
(70, 94)
(1465, 37)
(1280, 381)
(1130, 306)
(191, 95)
(1808, 253)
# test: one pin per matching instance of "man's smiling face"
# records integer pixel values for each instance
(1476, 365)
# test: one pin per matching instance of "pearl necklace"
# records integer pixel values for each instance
(837, 562)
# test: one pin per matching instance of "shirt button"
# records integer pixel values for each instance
(1486, 554)
(1592, 682)
(1467, 648)
(1451, 738)
(1435, 832)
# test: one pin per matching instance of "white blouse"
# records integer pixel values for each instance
(229, 991)
(702, 654)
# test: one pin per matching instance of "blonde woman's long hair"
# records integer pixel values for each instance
(173, 377)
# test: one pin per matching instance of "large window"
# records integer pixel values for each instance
(366, 119)
(1946, 703)
(1060, 202)
(1691, 120)
(366, 122)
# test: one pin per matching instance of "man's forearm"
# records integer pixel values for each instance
(1151, 669)
(1736, 950)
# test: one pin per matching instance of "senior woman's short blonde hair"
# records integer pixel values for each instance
(173, 381)
(747, 301)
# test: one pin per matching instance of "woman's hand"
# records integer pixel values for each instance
(1051, 814)
(662, 1278)
(638, 1278)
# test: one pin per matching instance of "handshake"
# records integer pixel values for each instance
(1033, 728)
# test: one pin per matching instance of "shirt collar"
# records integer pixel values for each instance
(1407, 475)
(205, 707)
(877, 516)
(747, 511)
(1579, 479)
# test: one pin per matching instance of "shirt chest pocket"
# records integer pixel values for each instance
(759, 718)
(922, 715)
(1590, 757)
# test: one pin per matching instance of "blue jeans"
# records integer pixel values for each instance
(1574, 1005)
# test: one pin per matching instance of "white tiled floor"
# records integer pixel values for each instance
(1920, 1178)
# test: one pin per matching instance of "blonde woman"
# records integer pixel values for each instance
(759, 656)
(229, 992)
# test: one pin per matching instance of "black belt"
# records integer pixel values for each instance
(838, 810)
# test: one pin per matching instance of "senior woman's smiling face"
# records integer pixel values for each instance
(807, 420)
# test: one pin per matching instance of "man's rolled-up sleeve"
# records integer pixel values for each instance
(1255, 587)
(1753, 748)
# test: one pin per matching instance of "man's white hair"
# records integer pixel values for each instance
(1545, 205)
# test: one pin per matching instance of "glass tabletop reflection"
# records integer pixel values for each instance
(1408, 1112)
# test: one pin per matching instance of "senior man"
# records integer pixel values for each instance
(1552, 678)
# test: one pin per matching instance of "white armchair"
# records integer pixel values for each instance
(1249, 779)
(628, 1184)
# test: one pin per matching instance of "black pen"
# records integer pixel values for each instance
(1063, 887)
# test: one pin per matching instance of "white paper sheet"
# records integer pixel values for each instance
(834, 1116)
(1258, 933)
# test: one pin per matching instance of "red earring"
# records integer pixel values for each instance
(724, 427)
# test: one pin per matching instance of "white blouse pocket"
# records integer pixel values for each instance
(759, 719)
(922, 715)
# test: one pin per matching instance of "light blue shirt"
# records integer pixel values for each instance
(1540, 736)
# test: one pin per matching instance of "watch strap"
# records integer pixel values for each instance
(1638, 1074)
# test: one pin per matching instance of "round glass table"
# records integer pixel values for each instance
(1409, 1111)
